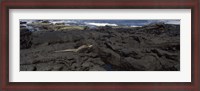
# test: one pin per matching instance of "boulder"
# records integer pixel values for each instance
(145, 63)
(23, 22)
(25, 38)
(110, 57)
(46, 21)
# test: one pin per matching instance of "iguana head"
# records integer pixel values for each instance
(89, 45)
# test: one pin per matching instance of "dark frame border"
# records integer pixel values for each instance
(6, 85)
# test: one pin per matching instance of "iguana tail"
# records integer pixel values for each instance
(67, 50)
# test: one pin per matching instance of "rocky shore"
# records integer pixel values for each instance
(153, 47)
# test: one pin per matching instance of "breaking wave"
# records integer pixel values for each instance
(101, 24)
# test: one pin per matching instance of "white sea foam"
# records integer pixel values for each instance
(101, 24)
(135, 26)
(71, 21)
(60, 21)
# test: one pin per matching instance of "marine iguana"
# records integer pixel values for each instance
(79, 49)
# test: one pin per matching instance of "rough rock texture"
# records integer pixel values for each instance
(25, 38)
(154, 47)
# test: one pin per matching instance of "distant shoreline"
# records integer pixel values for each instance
(105, 22)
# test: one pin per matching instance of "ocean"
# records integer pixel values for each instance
(102, 22)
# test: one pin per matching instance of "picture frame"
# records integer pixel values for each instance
(110, 4)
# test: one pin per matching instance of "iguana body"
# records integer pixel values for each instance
(81, 48)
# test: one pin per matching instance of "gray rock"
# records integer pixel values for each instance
(86, 64)
(146, 63)
(97, 61)
(31, 68)
(109, 56)
(57, 68)
(97, 68)
(75, 66)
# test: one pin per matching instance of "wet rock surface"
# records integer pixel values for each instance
(148, 48)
